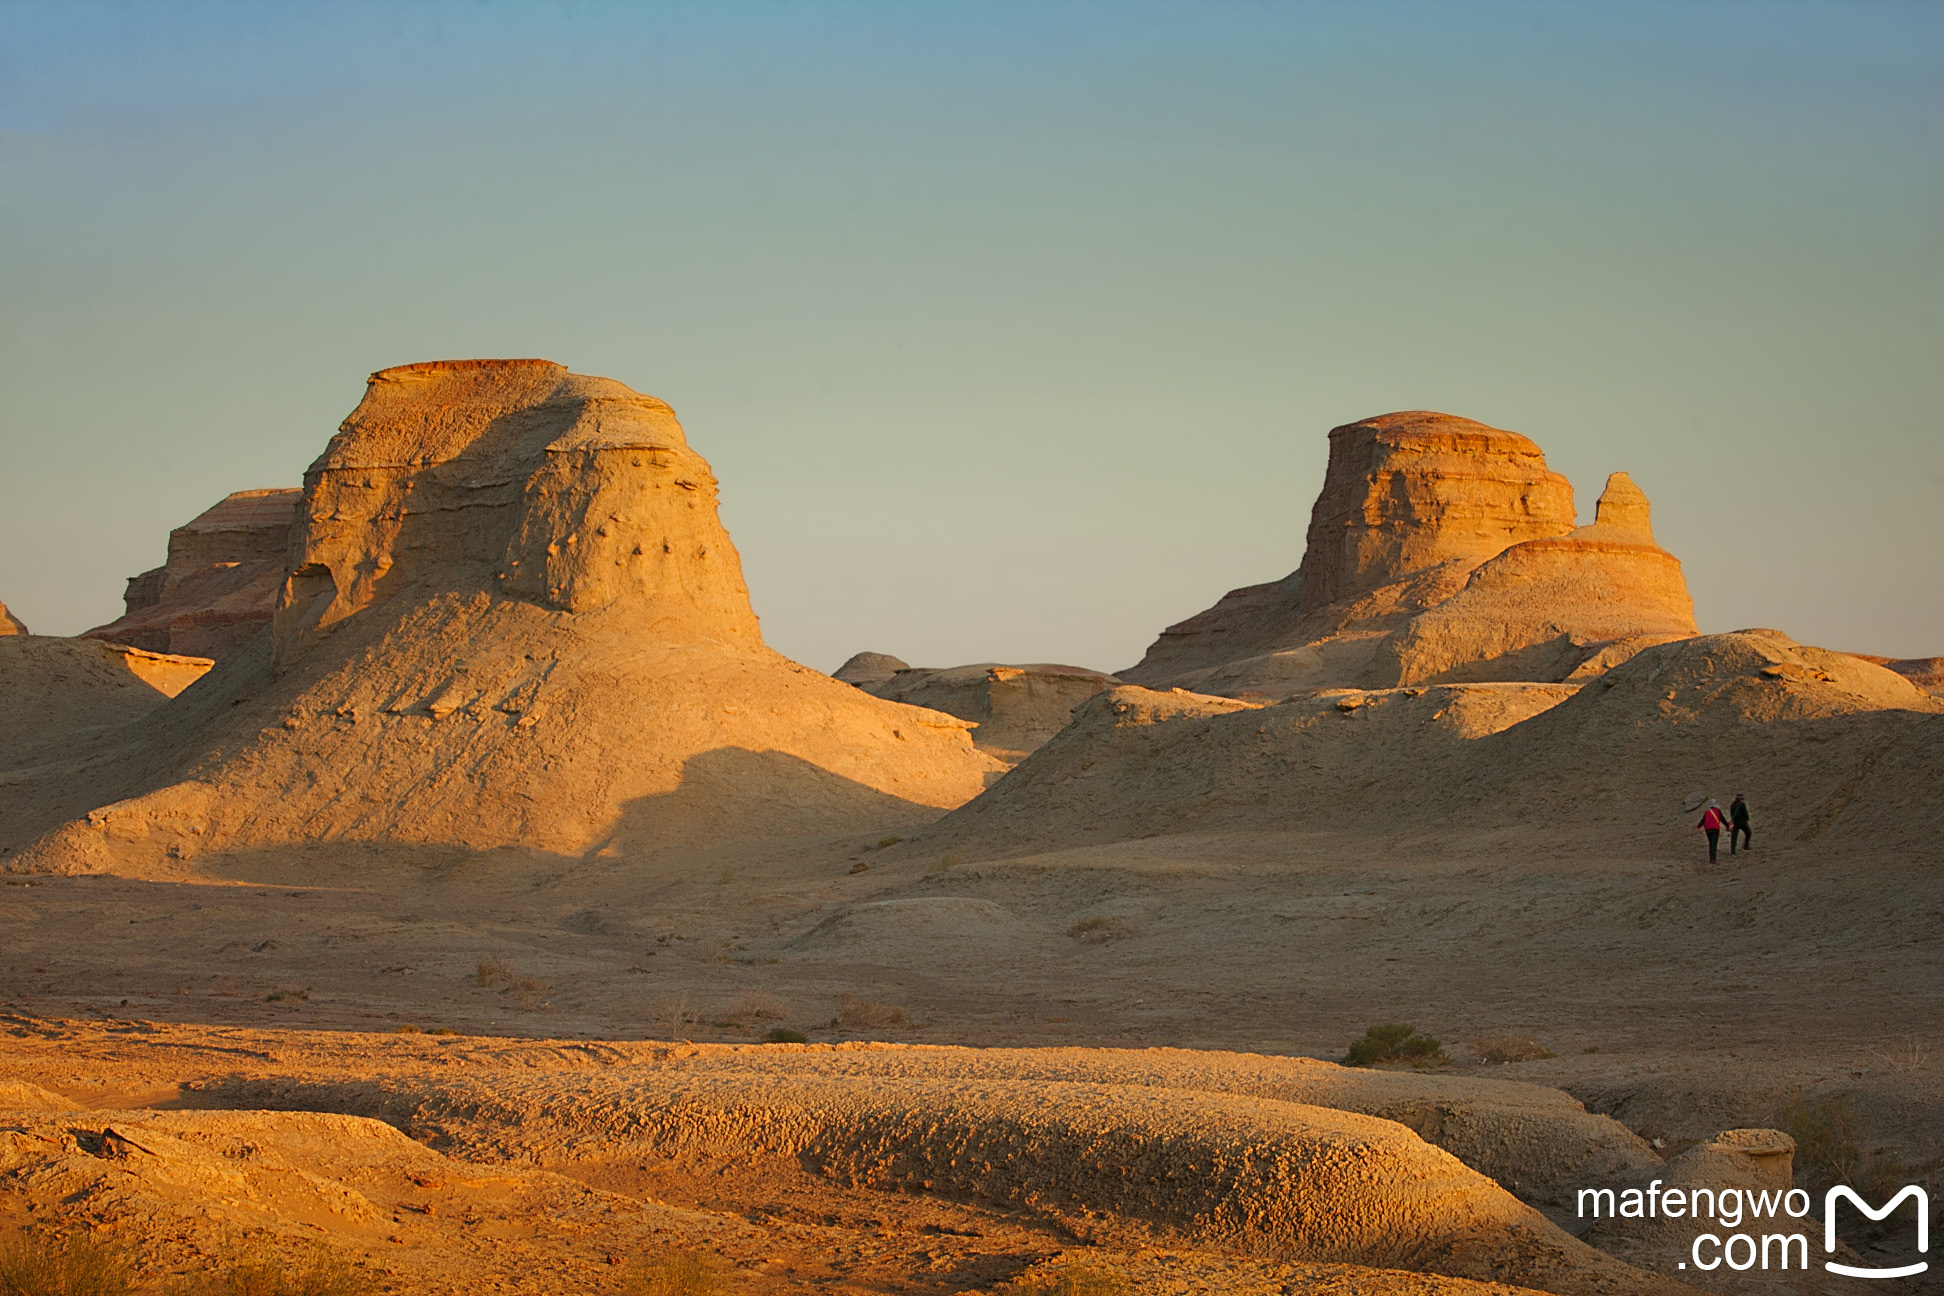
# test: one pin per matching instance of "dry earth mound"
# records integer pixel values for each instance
(56, 694)
(1926, 673)
(1439, 550)
(869, 668)
(1821, 740)
(221, 583)
(1016, 708)
(512, 618)
(1223, 1153)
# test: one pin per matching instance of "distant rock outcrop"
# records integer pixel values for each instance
(869, 668)
(512, 618)
(221, 582)
(1016, 708)
(1926, 673)
(11, 624)
(1441, 550)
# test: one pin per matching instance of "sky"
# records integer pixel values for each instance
(1013, 331)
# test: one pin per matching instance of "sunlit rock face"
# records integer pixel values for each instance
(1439, 549)
(513, 618)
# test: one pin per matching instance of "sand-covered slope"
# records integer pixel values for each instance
(60, 694)
(1822, 739)
(512, 618)
(1439, 550)
(221, 583)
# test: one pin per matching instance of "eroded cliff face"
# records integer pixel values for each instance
(513, 618)
(220, 584)
(1417, 490)
(11, 624)
(1439, 549)
(518, 478)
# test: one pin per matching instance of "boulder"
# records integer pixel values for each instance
(512, 618)
(220, 585)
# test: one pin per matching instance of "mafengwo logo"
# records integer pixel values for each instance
(1742, 1251)
(1910, 1193)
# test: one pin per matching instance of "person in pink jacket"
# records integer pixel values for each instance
(1712, 822)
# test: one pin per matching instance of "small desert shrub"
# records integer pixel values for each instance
(1908, 1054)
(491, 972)
(854, 1013)
(784, 1035)
(674, 1273)
(1074, 1280)
(1828, 1153)
(278, 996)
(1099, 929)
(757, 1005)
(1500, 1049)
(1394, 1042)
(76, 1267)
(316, 1274)
(406, 1029)
(885, 843)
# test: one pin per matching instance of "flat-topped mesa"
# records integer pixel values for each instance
(518, 478)
(221, 582)
(11, 624)
(1409, 491)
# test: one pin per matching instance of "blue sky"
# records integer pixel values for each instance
(1012, 330)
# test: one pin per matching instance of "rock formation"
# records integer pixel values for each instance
(1439, 549)
(1926, 673)
(1016, 708)
(11, 624)
(512, 618)
(221, 582)
(869, 668)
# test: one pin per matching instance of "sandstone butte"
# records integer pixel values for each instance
(1439, 550)
(11, 624)
(512, 617)
(220, 585)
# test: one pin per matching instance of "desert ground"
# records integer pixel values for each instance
(435, 867)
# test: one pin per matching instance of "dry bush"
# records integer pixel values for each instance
(674, 1273)
(1099, 929)
(1500, 1049)
(1074, 1280)
(318, 1273)
(492, 972)
(1394, 1042)
(854, 1013)
(1911, 1053)
(757, 1005)
(1828, 1153)
(73, 1267)
(784, 1035)
(885, 843)
(406, 1028)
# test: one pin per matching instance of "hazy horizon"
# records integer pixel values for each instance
(1012, 331)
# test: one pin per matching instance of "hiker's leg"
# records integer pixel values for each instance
(1714, 840)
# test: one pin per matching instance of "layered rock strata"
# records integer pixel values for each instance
(512, 617)
(221, 583)
(1439, 549)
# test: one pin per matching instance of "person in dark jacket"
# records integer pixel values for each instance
(1738, 824)
(1712, 822)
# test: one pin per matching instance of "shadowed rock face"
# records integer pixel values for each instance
(220, 584)
(1439, 550)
